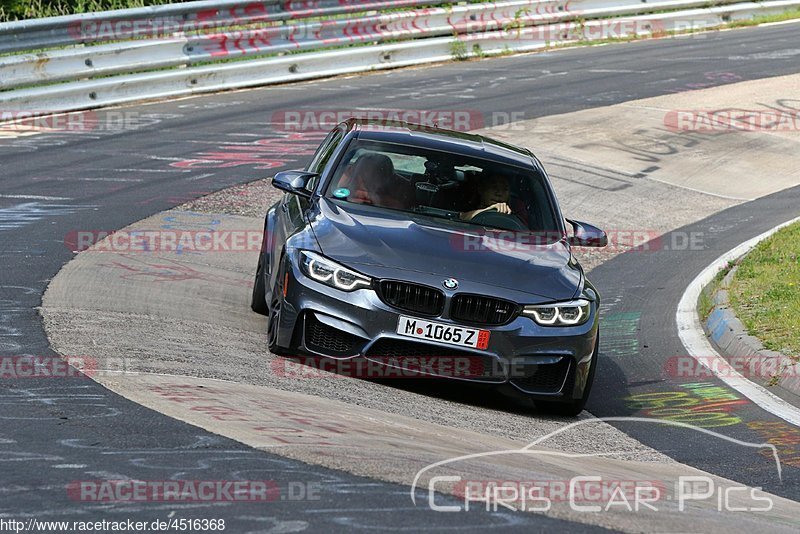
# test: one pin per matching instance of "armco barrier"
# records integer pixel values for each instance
(141, 22)
(104, 60)
(83, 77)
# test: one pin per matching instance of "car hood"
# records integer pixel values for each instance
(361, 236)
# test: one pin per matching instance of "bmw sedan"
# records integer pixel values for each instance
(435, 254)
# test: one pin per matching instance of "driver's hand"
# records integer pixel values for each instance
(500, 207)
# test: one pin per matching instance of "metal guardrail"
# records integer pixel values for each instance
(106, 74)
(104, 60)
(148, 21)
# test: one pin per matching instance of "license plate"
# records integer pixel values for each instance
(443, 333)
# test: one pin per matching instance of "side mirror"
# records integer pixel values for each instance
(294, 182)
(586, 235)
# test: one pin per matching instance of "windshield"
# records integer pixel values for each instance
(443, 185)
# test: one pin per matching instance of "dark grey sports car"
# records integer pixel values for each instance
(434, 253)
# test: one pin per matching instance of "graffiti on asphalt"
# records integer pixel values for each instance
(703, 404)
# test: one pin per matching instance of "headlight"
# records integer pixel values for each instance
(570, 313)
(330, 273)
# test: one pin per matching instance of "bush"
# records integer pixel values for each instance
(31, 9)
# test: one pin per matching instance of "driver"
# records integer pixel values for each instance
(495, 196)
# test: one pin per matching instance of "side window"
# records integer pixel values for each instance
(320, 150)
(323, 154)
(325, 151)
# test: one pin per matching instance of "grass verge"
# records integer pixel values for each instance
(705, 302)
(765, 292)
(34, 9)
(11, 10)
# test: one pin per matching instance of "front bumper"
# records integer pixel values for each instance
(522, 357)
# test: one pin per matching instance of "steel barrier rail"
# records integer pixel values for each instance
(105, 60)
(137, 22)
(194, 80)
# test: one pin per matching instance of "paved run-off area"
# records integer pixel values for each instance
(181, 322)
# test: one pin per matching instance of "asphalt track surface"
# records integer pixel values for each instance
(57, 431)
(645, 288)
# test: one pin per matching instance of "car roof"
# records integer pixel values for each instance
(462, 143)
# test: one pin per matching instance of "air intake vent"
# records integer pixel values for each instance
(330, 341)
(545, 378)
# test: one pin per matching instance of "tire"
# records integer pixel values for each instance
(274, 316)
(575, 407)
(258, 302)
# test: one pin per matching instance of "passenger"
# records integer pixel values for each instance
(374, 182)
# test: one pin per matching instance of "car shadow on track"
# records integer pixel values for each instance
(610, 385)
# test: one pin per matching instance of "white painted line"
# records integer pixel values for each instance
(200, 176)
(699, 347)
(149, 170)
(111, 179)
(617, 71)
(34, 197)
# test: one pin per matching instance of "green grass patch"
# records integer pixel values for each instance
(789, 14)
(34, 9)
(705, 302)
(765, 291)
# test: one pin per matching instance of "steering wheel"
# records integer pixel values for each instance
(499, 220)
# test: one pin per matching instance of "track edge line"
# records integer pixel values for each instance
(694, 340)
